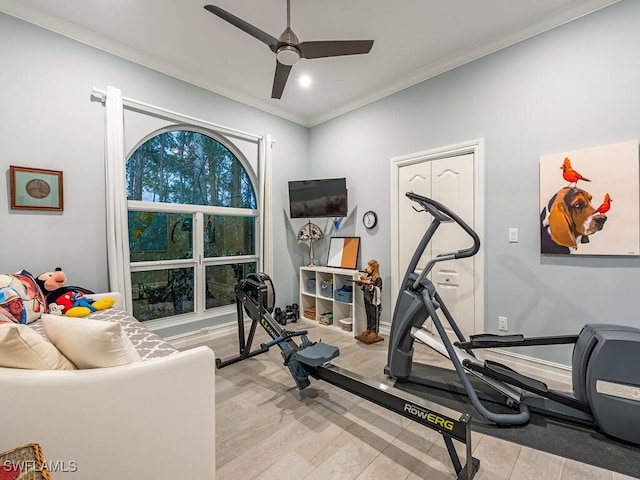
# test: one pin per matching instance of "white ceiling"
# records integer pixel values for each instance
(414, 40)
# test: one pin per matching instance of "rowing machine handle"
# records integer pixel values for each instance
(444, 214)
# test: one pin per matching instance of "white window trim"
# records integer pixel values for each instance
(117, 205)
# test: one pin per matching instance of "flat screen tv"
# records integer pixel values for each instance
(318, 198)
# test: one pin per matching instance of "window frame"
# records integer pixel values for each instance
(198, 262)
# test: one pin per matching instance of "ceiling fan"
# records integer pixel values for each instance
(289, 50)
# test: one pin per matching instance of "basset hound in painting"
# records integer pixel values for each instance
(567, 220)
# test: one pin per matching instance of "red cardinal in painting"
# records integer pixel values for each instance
(569, 174)
(606, 204)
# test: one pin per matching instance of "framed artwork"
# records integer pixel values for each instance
(343, 252)
(590, 201)
(36, 189)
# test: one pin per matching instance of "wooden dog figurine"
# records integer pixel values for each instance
(371, 284)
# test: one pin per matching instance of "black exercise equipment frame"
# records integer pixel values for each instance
(312, 359)
(418, 300)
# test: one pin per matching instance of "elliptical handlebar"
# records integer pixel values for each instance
(408, 320)
(443, 214)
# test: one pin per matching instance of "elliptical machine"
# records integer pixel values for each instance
(606, 384)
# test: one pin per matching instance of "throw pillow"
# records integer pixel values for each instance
(90, 343)
(22, 347)
(11, 306)
(31, 296)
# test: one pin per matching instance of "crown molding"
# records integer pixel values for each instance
(463, 57)
(80, 34)
(83, 35)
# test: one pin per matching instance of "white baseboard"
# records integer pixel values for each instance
(530, 366)
(203, 335)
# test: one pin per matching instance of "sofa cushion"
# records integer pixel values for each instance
(90, 343)
(26, 287)
(21, 347)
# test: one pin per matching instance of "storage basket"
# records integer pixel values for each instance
(27, 461)
(344, 294)
(326, 289)
(309, 313)
(311, 286)
(326, 319)
(346, 324)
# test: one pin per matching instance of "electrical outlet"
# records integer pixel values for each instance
(503, 324)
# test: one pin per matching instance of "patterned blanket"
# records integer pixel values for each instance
(147, 343)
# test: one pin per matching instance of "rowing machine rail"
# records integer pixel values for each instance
(254, 295)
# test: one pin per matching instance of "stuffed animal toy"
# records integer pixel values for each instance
(67, 300)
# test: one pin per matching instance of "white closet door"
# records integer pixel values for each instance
(449, 181)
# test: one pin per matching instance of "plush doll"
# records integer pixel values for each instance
(67, 300)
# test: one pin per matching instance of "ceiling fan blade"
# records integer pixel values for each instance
(334, 48)
(264, 37)
(280, 79)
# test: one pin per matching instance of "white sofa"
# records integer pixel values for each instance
(152, 419)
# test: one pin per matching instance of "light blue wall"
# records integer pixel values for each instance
(570, 88)
(574, 87)
(47, 120)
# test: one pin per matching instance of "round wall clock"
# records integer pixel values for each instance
(370, 219)
(38, 188)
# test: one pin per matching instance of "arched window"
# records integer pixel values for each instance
(192, 222)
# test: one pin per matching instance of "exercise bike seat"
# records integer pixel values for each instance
(317, 354)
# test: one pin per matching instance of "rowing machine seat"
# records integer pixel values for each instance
(317, 354)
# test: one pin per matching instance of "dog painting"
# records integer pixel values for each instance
(590, 201)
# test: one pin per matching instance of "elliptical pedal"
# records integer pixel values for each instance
(506, 374)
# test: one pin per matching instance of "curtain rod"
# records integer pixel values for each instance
(101, 95)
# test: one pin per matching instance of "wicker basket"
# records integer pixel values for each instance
(28, 460)
(309, 313)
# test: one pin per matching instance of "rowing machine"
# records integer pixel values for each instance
(256, 297)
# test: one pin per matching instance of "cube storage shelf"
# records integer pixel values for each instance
(318, 287)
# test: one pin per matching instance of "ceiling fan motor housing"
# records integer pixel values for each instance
(287, 53)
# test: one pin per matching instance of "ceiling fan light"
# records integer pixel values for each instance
(288, 55)
(304, 81)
